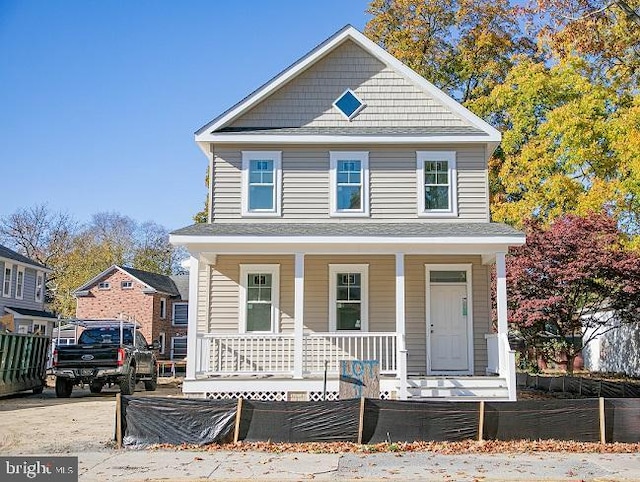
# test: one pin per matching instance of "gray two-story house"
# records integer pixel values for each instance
(22, 294)
(349, 219)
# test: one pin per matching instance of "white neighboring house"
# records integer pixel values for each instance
(349, 219)
(22, 294)
(615, 348)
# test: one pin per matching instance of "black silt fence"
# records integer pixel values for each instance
(144, 421)
(587, 387)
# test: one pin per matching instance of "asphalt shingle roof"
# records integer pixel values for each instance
(182, 283)
(27, 312)
(391, 230)
(357, 131)
(11, 254)
(157, 281)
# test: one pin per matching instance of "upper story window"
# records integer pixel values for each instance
(349, 104)
(181, 314)
(261, 183)
(437, 183)
(39, 286)
(6, 283)
(349, 183)
(126, 285)
(163, 308)
(20, 282)
(349, 297)
(259, 289)
(104, 285)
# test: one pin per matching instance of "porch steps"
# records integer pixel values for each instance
(458, 388)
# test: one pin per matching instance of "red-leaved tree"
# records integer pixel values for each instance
(573, 275)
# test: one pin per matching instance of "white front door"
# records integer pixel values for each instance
(448, 321)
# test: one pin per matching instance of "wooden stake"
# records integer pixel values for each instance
(361, 422)
(236, 432)
(481, 422)
(118, 420)
(603, 432)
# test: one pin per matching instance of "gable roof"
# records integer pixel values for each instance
(155, 282)
(219, 129)
(10, 254)
(182, 283)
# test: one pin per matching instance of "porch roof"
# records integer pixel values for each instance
(351, 230)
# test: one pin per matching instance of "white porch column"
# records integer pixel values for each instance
(401, 351)
(298, 327)
(192, 327)
(501, 292)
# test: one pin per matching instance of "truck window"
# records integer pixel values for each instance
(95, 336)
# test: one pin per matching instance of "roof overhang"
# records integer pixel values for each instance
(20, 316)
(35, 267)
(208, 247)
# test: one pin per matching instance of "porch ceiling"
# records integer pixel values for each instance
(348, 237)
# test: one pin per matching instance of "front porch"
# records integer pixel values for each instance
(265, 367)
(272, 316)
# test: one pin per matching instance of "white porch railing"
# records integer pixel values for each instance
(493, 353)
(330, 348)
(252, 354)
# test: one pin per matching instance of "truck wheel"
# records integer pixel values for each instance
(128, 383)
(95, 387)
(151, 385)
(64, 387)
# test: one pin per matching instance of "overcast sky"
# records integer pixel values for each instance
(99, 100)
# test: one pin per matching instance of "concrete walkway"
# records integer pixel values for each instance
(146, 465)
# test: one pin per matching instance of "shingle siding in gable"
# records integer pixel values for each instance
(393, 184)
(307, 100)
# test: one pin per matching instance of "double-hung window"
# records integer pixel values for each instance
(20, 282)
(259, 291)
(261, 183)
(39, 286)
(6, 282)
(349, 183)
(180, 314)
(437, 186)
(349, 297)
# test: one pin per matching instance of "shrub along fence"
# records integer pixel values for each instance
(145, 421)
(588, 387)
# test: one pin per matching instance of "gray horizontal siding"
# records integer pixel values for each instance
(391, 99)
(393, 184)
(28, 300)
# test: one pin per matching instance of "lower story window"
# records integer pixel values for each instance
(259, 297)
(162, 340)
(178, 347)
(349, 297)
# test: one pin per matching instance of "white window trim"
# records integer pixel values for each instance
(468, 267)
(363, 269)
(355, 112)
(107, 285)
(163, 308)
(274, 271)
(173, 313)
(276, 157)
(173, 339)
(334, 157)
(162, 339)
(450, 157)
(38, 295)
(11, 268)
(122, 287)
(20, 270)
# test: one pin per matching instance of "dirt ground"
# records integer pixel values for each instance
(44, 424)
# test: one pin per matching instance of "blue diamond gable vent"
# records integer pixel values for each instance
(349, 104)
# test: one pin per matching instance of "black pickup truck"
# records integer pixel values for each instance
(101, 357)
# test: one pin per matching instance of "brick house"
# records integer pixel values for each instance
(157, 302)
